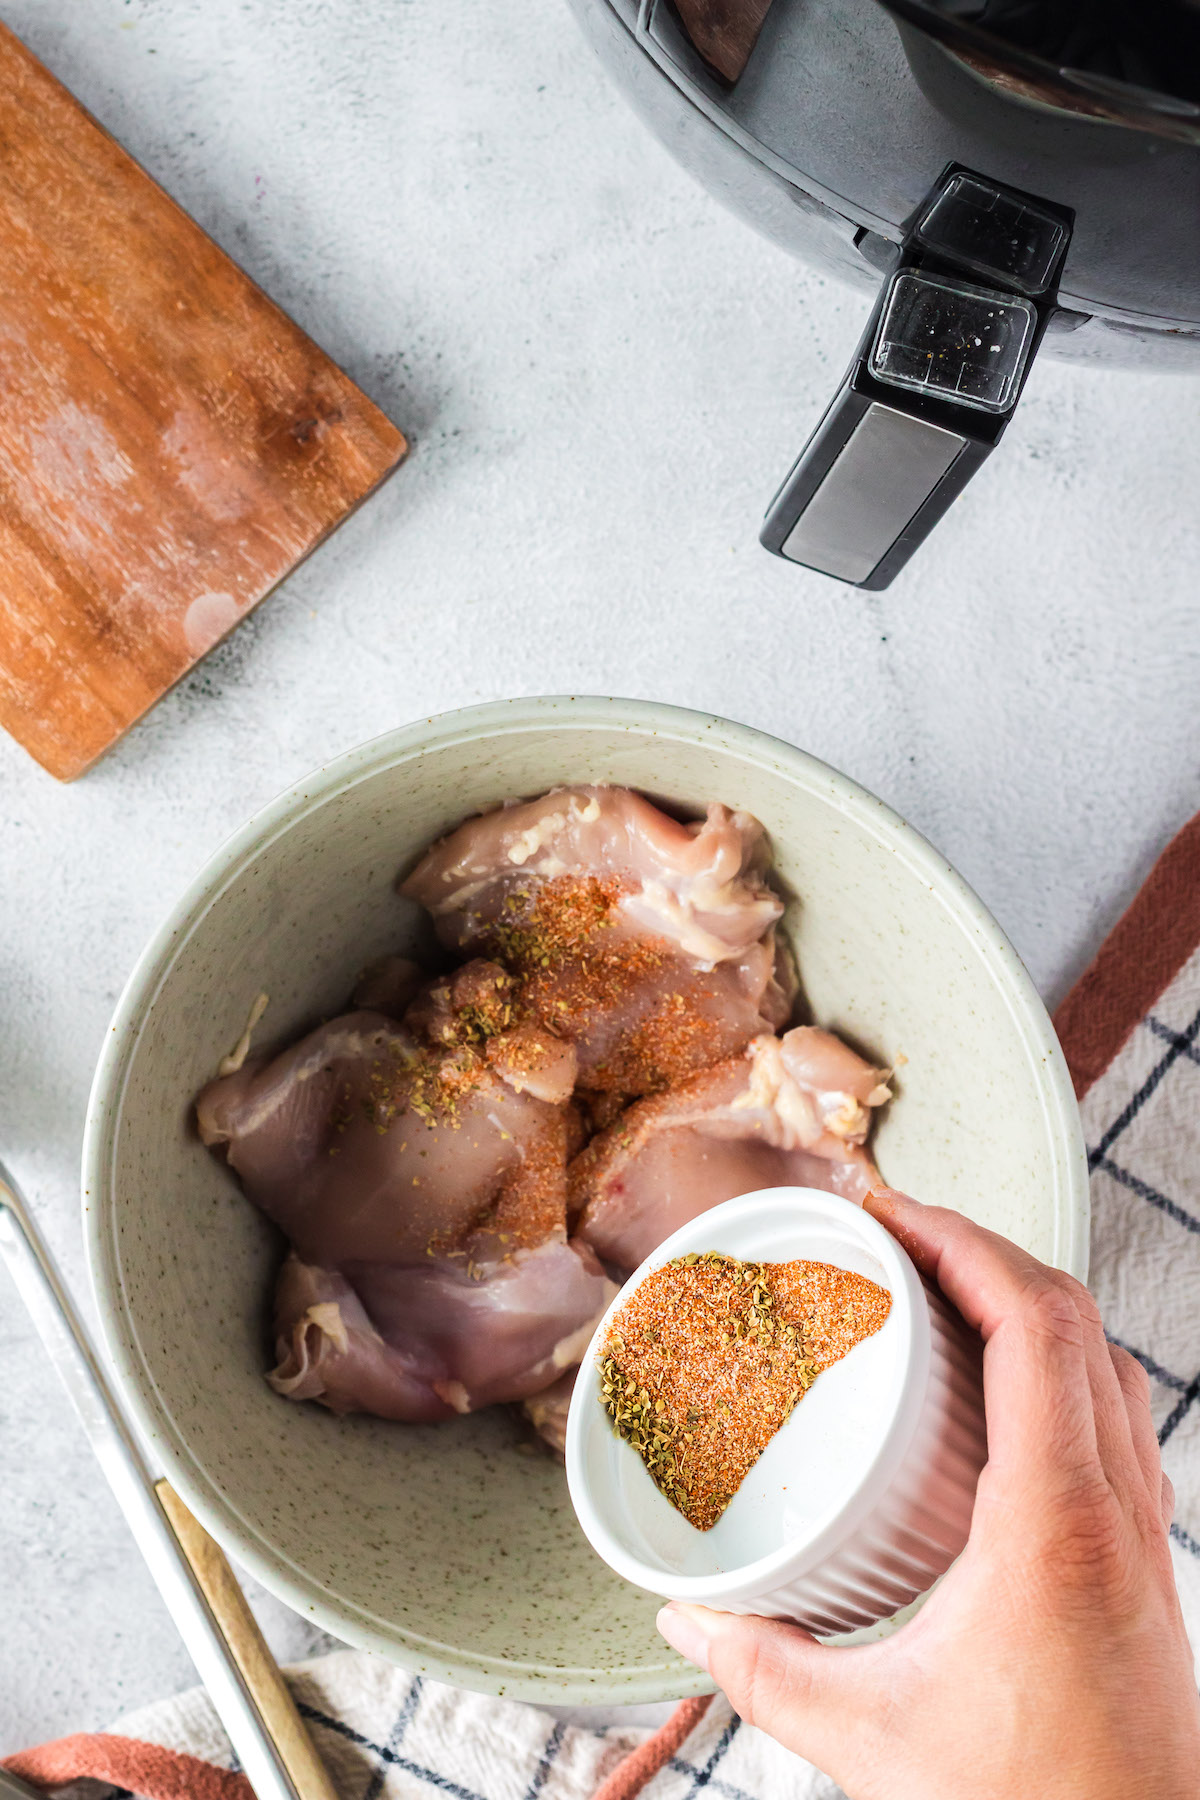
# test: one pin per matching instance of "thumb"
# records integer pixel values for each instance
(776, 1676)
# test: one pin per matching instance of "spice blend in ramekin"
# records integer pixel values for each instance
(708, 1357)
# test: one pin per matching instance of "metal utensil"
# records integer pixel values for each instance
(197, 1584)
(13, 1788)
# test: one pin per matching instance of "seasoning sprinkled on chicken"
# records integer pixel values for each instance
(455, 1160)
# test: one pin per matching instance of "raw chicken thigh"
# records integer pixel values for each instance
(787, 1112)
(364, 1144)
(422, 1344)
(419, 1170)
(477, 1006)
(329, 1350)
(702, 885)
(648, 944)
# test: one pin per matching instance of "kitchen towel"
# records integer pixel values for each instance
(1131, 1032)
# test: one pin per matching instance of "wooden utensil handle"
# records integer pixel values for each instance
(249, 1649)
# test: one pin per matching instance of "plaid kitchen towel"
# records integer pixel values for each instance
(387, 1735)
(1131, 1032)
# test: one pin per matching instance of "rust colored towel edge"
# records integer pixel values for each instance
(1138, 960)
(643, 1764)
(145, 1769)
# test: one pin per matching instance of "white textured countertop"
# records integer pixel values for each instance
(604, 377)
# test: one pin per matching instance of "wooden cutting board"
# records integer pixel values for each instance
(171, 444)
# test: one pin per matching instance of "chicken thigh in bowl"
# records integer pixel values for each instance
(461, 1185)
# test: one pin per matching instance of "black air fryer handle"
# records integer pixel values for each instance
(932, 385)
(869, 486)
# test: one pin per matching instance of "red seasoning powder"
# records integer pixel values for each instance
(573, 958)
(709, 1355)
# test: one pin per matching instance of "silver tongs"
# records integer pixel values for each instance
(193, 1577)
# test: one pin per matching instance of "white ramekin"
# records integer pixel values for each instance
(880, 1459)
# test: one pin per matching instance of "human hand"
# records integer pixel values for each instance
(1051, 1660)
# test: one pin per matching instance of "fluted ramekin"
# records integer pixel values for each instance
(864, 1496)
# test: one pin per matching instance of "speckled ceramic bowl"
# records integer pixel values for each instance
(440, 1546)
